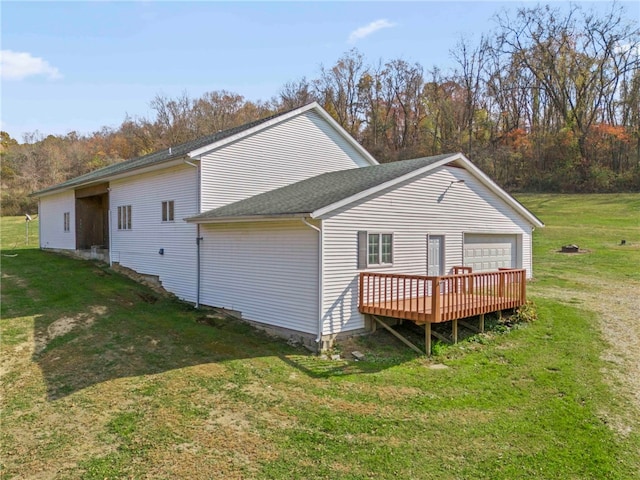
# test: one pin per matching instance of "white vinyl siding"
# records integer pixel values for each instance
(52, 210)
(268, 271)
(299, 148)
(412, 211)
(139, 248)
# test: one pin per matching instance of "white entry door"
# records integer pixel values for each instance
(489, 252)
(435, 255)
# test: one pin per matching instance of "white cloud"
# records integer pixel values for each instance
(362, 32)
(19, 65)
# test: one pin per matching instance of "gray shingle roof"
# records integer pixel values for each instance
(161, 156)
(314, 193)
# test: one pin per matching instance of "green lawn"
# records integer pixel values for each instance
(101, 378)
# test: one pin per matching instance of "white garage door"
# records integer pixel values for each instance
(489, 252)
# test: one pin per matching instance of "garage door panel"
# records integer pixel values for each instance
(489, 252)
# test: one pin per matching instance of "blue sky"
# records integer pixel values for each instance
(80, 66)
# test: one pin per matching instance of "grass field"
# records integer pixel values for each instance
(102, 378)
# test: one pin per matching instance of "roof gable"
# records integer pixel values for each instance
(196, 148)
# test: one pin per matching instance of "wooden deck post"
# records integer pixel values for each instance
(435, 299)
(454, 330)
(482, 323)
(523, 287)
(427, 338)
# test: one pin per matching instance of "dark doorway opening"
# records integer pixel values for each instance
(92, 217)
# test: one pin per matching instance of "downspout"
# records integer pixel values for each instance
(110, 227)
(110, 239)
(198, 237)
(198, 241)
(320, 275)
(39, 223)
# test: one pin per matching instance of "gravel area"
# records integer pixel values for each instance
(618, 309)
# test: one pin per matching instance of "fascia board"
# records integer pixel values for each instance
(245, 219)
(352, 141)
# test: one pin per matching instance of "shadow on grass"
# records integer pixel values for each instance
(317, 367)
(92, 325)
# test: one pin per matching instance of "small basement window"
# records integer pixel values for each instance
(124, 217)
(67, 221)
(167, 211)
(374, 249)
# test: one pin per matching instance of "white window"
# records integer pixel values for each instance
(374, 249)
(167, 211)
(124, 217)
(67, 222)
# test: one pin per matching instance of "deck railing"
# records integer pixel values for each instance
(426, 299)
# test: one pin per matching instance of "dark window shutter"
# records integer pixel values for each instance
(362, 250)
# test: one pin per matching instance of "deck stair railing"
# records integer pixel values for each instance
(429, 299)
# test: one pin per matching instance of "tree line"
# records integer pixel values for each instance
(549, 101)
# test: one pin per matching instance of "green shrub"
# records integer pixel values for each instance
(526, 313)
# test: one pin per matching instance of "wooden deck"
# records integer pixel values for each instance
(426, 300)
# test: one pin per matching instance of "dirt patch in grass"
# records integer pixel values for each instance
(64, 325)
(20, 282)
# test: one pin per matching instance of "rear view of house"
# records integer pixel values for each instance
(281, 220)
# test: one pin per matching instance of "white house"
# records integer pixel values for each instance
(291, 257)
(276, 219)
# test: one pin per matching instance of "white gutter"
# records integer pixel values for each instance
(249, 218)
(320, 275)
